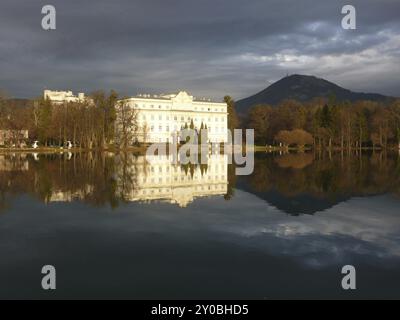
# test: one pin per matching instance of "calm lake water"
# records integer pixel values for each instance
(115, 226)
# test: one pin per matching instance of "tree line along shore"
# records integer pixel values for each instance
(290, 125)
(326, 124)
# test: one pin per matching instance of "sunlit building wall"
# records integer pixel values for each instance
(160, 117)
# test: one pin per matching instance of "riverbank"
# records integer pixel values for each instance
(49, 150)
(143, 148)
(334, 149)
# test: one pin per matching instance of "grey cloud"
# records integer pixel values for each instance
(201, 46)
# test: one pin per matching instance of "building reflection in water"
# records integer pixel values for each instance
(159, 179)
(108, 178)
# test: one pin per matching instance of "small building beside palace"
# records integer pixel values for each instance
(16, 138)
(59, 97)
(160, 117)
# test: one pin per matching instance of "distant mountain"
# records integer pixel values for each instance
(303, 88)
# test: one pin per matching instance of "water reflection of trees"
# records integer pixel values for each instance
(107, 179)
(232, 180)
(90, 177)
(95, 178)
(327, 176)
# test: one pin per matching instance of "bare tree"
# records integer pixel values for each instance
(126, 124)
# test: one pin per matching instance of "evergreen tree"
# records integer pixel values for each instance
(44, 121)
(233, 120)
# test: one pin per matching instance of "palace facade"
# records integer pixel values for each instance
(162, 116)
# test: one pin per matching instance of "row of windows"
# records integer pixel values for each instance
(151, 106)
(167, 140)
(175, 169)
(197, 188)
(182, 118)
(167, 129)
(182, 179)
(215, 161)
(166, 107)
(209, 109)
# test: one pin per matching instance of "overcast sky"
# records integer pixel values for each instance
(207, 47)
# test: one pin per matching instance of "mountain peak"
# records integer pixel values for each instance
(303, 88)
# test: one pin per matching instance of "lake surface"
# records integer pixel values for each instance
(115, 226)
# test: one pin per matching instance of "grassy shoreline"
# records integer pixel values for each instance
(50, 150)
(334, 149)
(143, 148)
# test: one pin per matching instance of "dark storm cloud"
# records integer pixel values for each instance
(207, 47)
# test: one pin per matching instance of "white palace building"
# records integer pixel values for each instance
(159, 117)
